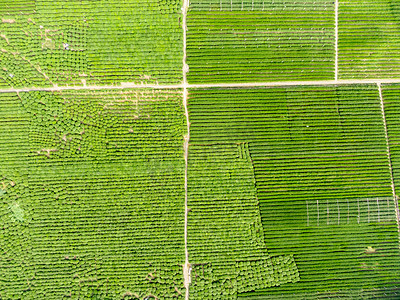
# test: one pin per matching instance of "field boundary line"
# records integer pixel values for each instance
(93, 87)
(396, 203)
(185, 69)
(336, 39)
(198, 86)
(295, 83)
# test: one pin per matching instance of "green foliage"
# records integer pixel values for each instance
(170, 6)
(224, 226)
(132, 41)
(17, 6)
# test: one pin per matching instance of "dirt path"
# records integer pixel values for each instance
(336, 39)
(209, 85)
(185, 69)
(395, 198)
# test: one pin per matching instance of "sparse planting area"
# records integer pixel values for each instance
(92, 195)
(58, 43)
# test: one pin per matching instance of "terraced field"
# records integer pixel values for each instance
(219, 149)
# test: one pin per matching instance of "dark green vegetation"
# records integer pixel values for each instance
(225, 235)
(369, 40)
(92, 195)
(322, 180)
(90, 42)
(260, 41)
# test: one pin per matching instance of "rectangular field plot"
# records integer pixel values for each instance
(369, 40)
(247, 41)
(91, 42)
(322, 181)
(92, 194)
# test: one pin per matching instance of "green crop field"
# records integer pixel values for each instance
(199, 149)
(90, 42)
(369, 43)
(225, 230)
(260, 41)
(83, 213)
(321, 177)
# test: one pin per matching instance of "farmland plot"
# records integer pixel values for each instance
(90, 42)
(277, 193)
(322, 180)
(369, 42)
(225, 235)
(92, 195)
(249, 41)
